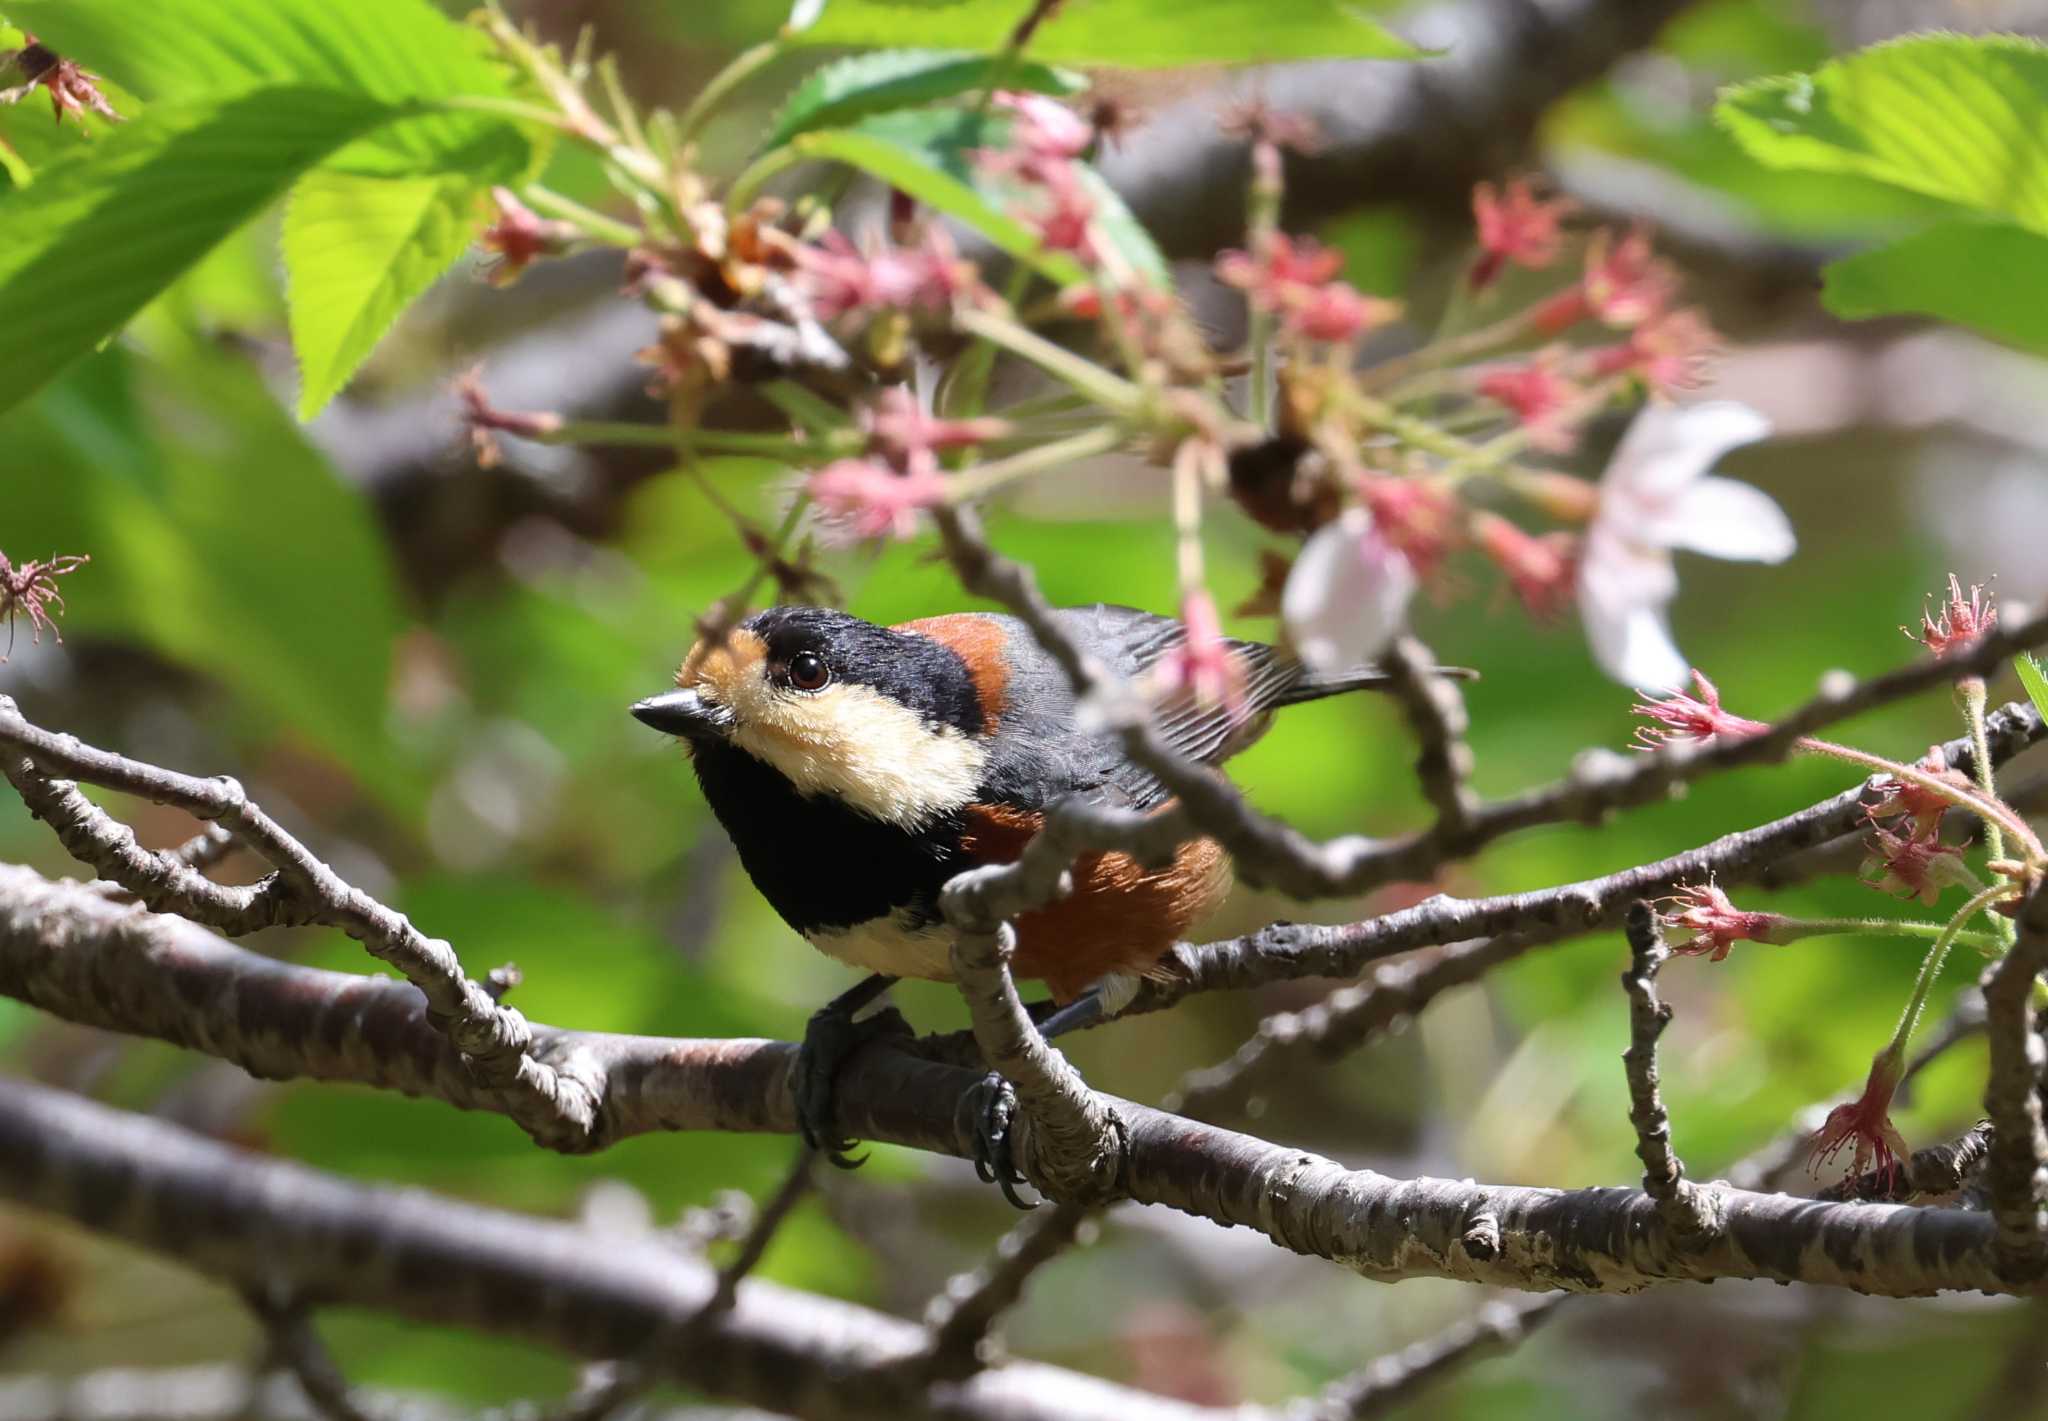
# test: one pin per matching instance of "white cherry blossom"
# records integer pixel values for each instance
(1658, 496)
(1347, 594)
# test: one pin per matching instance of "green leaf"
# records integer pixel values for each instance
(930, 154)
(91, 242)
(1130, 34)
(222, 541)
(915, 172)
(1960, 119)
(855, 87)
(1988, 276)
(2034, 679)
(357, 251)
(399, 51)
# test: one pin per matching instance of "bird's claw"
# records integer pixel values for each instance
(832, 1036)
(994, 1162)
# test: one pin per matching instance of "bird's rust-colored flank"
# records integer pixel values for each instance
(979, 642)
(1121, 916)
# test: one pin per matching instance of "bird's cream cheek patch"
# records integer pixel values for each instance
(852, 741)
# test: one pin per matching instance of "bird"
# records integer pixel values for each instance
(857, 768)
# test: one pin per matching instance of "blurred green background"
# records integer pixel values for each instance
(424, 668)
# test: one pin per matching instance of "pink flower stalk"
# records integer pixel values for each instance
(1201, 663)
(30, 590)
(485, 421)
(1962, 622)
(1540, 570)
(1680, 717)
(518, 236)
(842, 279)
(872, 500)
(1046, 128)
(1257, 121)
(1921, 805)
(1514, 226)
(1715, 923)
(1668, 352)
(1347, 594)
(1418, 516)
(72, 90)
(903, 430)
(1336, 312)
(1865, 1124)
(1281, 273)
(1065, 219)
(1909, 866)
(1547, 405)
(1624, 285)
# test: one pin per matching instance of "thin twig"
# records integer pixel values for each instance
(1392, 1380)
(297, 1348)
(1685, 1207)
(1436, 713)
(302, 890)
(961, 1316)
(1293, 950)
(607, 1386)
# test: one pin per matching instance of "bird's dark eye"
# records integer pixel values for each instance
(808, 671)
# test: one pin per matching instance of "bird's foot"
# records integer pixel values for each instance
(995, 1109)
(829, 1040)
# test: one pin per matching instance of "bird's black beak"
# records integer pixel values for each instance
(684, 713)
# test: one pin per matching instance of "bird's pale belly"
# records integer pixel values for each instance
(896, 945)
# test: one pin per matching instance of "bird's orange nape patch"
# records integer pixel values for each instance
(979, 642)
(723, 667)
(1121, 916)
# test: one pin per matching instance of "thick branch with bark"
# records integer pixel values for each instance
(67, 950)
(260, 1222)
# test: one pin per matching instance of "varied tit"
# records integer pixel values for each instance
(858, 767)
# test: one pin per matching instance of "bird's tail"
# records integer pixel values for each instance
(1315, 685)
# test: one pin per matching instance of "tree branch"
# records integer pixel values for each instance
(302, 889)
(250, 1220)
(1518, 921)
(1267, 852)
(2017, 1169)
(68, 950)
(1683, 1205)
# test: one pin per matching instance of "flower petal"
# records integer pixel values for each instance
(1724, 518)
(1347, 595)
(1669, 446)
(1623, 591)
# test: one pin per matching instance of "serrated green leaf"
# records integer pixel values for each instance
(91, 242)
(1991, 277)
(395, 50)
(1130, 34)
(2034, 679)
(855, 87)
(357, 251)
(1955, 118)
